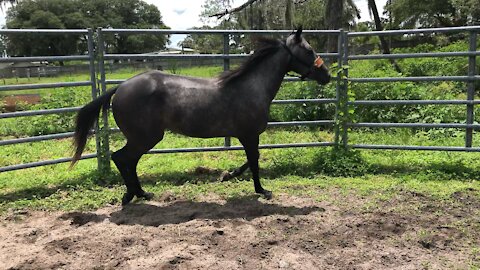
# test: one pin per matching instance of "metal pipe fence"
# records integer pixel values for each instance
(469, 78)
(97, 57)
(90, 56)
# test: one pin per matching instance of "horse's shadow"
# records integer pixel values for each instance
(178, 212)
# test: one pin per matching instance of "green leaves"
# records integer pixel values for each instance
(80, 14)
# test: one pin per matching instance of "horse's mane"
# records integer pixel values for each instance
(264, 48)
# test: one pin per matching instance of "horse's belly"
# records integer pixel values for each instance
(201, 125)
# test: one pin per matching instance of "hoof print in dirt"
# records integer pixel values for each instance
(427, 244)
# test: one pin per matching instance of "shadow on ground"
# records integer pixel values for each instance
(248, 208)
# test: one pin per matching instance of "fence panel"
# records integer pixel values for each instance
(469, 126)
(89, 33)
(98, 82)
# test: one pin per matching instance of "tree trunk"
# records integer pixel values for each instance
(333, 21)
(378, 26)
(288, 15)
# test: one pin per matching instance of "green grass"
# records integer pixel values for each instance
(300, 171)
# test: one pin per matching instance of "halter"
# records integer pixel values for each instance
(317, 63)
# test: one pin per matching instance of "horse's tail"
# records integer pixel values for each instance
(86, 118)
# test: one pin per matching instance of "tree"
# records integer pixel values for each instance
(285, 14)
(203, 43)
(433, 13)
(39, 14)
(372, 6)
(78, 14)
(339, 14)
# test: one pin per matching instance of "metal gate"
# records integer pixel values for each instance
(97, 57)
(90, 57)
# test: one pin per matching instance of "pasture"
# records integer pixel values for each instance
(331, 209)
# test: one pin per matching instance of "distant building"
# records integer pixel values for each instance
(173, 50)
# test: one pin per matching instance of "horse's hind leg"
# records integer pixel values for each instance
(126, 160)
(229, 175)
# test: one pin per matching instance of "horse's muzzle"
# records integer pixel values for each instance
(324, 80)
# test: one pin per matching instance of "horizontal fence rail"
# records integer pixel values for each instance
(411, 55)
(44, 58)
(98, 82)
(213, 31)
(42, 163)
(413, 102)
(39, 112)
(417, 79)
(43, 86)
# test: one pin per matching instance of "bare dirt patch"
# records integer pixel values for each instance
(409, 231)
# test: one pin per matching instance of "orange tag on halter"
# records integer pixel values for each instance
(318, 62)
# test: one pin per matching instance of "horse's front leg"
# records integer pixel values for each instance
(226, 175)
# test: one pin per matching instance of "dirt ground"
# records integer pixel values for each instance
(410, 231)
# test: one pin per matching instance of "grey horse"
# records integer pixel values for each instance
(235, 104)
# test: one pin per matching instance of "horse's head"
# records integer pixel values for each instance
(304, 60)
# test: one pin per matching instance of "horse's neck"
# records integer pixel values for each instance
(269, 74)
(264, 80)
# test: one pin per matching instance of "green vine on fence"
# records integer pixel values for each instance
(345, 110)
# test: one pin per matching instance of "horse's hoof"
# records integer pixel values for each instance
(127, 198)
(267, 194)
(146, 195)
(225, 176)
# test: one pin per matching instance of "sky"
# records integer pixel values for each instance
(184, 14)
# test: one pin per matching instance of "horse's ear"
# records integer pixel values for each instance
(298, 34)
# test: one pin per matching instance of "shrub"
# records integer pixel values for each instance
(337, 161)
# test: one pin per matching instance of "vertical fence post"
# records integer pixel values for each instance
(471, 88)
(104, 131)
(338, 88)
(93, 79)
(344, 89)
(226, 67)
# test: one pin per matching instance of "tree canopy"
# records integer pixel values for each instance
(77, 14)
(433, 13)
(333, 14)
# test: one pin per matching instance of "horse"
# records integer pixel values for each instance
(234, 104)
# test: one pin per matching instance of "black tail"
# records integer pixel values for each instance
(86, 118)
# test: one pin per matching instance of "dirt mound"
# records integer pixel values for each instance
(247, 233)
